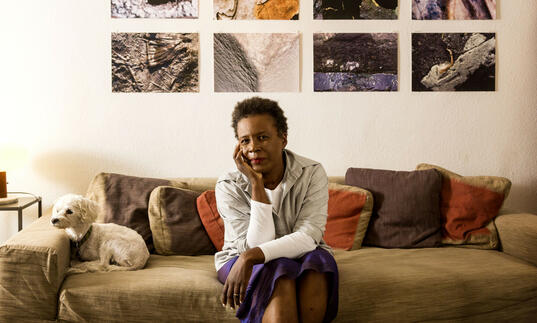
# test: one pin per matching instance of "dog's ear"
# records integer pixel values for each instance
(88, 209)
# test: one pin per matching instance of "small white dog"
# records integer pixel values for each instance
(101, 246)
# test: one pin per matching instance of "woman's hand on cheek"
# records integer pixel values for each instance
(244, 167)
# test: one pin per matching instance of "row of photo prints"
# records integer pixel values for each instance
(270, 62)
(322, 9)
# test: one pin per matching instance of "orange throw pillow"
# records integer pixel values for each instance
(349, 211)
(469, 205)
(213, 223)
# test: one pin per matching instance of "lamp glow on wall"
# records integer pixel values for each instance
(11, 158)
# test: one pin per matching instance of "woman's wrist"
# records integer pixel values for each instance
(253, 256)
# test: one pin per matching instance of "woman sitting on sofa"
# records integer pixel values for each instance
(274, 264)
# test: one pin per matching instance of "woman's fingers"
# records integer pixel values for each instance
(242, 292)
(224, 294)
(237, 295)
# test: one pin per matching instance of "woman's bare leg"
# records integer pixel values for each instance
(282, 304)
(312, 296)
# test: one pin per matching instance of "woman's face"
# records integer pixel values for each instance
(260, 143)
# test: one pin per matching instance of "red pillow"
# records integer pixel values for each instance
(469, 205)
(213, 223)
(349, 211)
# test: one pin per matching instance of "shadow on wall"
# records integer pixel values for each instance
(523, 198)
(72, 171)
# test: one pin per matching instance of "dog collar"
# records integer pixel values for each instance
(78, 244)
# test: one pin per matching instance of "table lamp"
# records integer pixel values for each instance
(11, 158)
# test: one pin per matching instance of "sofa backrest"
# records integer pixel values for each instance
(202, 184)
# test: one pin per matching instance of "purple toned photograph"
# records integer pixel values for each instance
(345, 62)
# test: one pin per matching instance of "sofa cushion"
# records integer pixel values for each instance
(175, 224)
(124, 200)
(468, 207)
(435, 284)
(349, 211)
(406, 208)
(427, 284)
(212, 222)
(169, 288)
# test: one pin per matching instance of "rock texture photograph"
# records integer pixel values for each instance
(453, 9)
(154, 8)
(355, 62)
(355, 9)
(453, 62)
(256, 9)
(155, 62)
(256, 62)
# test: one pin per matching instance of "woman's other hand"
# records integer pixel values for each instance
(239, 276)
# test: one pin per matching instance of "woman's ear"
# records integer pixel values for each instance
(284, 137)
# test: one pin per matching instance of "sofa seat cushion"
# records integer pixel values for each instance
(432, 284)
(169, 288)
(376, 285)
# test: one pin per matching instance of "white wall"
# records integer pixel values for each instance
(56, 100)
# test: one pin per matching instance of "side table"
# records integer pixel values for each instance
(21, 204)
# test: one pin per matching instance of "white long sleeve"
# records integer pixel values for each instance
(293, 245)
(261, 226)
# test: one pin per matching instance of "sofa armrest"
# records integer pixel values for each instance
(518, 235)
(32, 267)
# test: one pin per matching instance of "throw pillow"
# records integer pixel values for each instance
(124, 200)
(468, 206)
(213, 223)
(175, 223)
(406, 208)
(349, 211)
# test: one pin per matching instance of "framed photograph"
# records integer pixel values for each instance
(453, 9)
(154, 8)
(256, 9)
(256, 62)
(453, 61)
(155, 62)
(355, 9)
(346, 62)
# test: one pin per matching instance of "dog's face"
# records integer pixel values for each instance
(72, 210)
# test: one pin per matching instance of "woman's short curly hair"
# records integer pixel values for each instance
(256, 106)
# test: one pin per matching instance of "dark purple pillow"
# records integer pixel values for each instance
(406, 206)
(124, 200)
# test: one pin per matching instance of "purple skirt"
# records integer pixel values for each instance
(264, 276)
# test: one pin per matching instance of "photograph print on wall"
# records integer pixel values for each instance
(256, 9)
(453, 9)
(346, 62)
(453, 62)
(256, 62)
(154, 8)
(355, 9)
(155, 62)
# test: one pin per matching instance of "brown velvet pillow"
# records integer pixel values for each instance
(124, 200)
(406, 208)
(175, 223)
(469, 205)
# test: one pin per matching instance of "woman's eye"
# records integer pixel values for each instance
(263, 137)
(69, 211)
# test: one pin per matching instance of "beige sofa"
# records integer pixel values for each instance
(376, 285)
